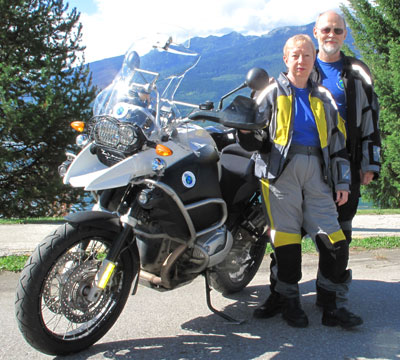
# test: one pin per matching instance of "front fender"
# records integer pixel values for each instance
(107, 221)
(100, 219)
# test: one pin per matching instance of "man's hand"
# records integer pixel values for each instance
(341, 197)
(366, 177)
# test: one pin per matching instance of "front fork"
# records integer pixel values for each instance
(107, 267)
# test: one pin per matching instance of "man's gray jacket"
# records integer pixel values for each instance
(362, 116)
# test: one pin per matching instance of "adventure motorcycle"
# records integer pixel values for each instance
(169, 205)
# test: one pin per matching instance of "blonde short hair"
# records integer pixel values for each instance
(295, 39)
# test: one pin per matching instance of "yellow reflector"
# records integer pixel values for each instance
(78, 125)
(106, 276)
(162, 150)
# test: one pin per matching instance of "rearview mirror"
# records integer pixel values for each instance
(257, 79)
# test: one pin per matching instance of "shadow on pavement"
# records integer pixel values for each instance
(211, 337)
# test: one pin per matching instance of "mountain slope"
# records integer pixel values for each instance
(224, 63)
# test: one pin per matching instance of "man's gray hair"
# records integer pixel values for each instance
(323, 13)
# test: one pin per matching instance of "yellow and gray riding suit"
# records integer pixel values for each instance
(297, 183)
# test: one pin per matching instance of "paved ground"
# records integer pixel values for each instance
(177, 325)
(20, 239)
(376, 225)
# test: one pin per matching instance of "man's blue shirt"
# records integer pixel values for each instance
(331, 79)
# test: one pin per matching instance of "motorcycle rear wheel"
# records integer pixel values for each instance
(52, 310)
(241, 264)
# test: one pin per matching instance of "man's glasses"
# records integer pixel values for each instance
(327, 30)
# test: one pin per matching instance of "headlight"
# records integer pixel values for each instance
(128, 135)
(106, 132)
(111, 133)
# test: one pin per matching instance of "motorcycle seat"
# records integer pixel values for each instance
(237, 180)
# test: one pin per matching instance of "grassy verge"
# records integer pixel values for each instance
(42, 220)
(13, 262)
(378, 211)
(16, 262)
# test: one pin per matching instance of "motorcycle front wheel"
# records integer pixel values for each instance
(241, 264)
(52, 308)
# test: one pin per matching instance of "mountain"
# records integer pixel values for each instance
(224, 63)
(104, 71)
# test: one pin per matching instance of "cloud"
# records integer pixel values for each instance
(112, 28)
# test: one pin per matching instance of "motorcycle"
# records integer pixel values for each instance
(172, 203)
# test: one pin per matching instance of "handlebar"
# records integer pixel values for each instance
(240, 114)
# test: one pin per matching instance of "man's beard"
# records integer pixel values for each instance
(330, 50)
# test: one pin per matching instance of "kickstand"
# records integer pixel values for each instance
(214, 310)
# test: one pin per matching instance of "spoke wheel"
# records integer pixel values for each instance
(240, 265)
(52, 294)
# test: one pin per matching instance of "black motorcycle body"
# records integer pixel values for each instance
(173, 201)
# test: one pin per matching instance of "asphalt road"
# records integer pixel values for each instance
(178, 324)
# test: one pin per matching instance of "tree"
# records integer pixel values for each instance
(44, 85)
(375, 28)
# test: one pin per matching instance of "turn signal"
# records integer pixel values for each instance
(78, 125)
(162, 150)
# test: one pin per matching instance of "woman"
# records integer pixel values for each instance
(301, 160)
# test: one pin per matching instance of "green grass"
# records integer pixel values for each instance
(16, 263)
(384, 242)
(378, 211)
(41, 220)
(13, 262)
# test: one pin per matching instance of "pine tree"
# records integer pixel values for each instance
(44, 85)
(376, 31)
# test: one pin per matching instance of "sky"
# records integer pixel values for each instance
(110, 26)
